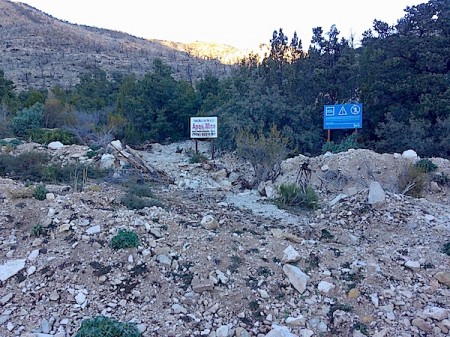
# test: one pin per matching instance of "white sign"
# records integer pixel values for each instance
(203, 127)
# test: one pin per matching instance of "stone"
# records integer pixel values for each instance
(325, 287)
(241, 332)
(422, 325)
(353, 293)
(107, 161)
(11, 268)
(414, 265)
(279, 331)
(200, 286)
(223, 331)
(297, 277)
(80, 298)
(55, 145)
(94, 230)
(178, 309)
(436, 313)
(410, 154)
(290, 255)
(443, 277)
(33, 255)
(208, 222)
(296, 321)
(377, 196)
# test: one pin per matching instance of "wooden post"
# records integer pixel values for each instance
(212, 148)
(196, 146)
(329, 136)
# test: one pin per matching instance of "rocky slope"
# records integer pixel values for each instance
(219, 260)
(40, 51)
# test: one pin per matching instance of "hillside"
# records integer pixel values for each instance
(38, 50)
(217, 260)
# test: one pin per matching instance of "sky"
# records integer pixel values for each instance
(240, 23)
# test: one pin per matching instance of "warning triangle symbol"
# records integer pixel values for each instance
(342, 112)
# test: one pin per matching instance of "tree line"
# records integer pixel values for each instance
(400, 73)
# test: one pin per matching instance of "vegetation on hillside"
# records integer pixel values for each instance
(400, 73)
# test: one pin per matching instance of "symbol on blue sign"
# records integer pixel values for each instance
(355, 109)
(329, 111)
(342, 112)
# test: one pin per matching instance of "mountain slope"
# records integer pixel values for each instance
(38, 50)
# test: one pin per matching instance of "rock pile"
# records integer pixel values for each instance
(207, 265)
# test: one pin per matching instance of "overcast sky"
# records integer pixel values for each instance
(239, 23)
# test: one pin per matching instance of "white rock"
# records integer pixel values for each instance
(436, 313)
(94, 230)
(208, 222)
(107, 161)
(178, 309)
(33, 255)
(290, 255)
(412, 264)
(306, 333)
(80, 298)
(264, 294)
(409, 154)
(376, 194)
(325, 286)
(55, 145)
(280, 331)
(223, 331)
(296, 321)
(11, 268)
(117, 144)
(31, 270)
(297, 277)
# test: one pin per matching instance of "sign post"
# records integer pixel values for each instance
(342, 116)
(204, 128)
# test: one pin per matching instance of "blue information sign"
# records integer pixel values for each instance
(342, 116)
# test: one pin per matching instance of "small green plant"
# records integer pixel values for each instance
(91, 154)
(102, 326)
(412, 181)
(344, 145)
(425, 166)
(198, 158)
(124, 239)
(131, 201)
(446, 249)
(40, 192)
(37, 230)
(295, 196)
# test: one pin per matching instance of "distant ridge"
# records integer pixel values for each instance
(40, 51)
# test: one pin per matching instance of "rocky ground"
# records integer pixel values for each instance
(221, 260)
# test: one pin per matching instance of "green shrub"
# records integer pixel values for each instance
(13, 142)
(412, 181)
(25, 166)
(198, 158)
(37, 230)
(265, 152)
(345, 145)
(425, 166)
(446, 249)
(124, 239)
(40, 192)
(46, 136)
(27, 120)
(296, 196)
(91, 154)
(102, 326)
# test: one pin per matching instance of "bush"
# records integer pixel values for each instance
(198, 158)
(344, 145)
(412, 181)
(446, 249)
(124, 239)
(102, 326)
(425, 166)
(46, 136)
(37, 230)
(40, 192)
(25, 166)
(28, 120)
(264, 152)
(294, 196)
